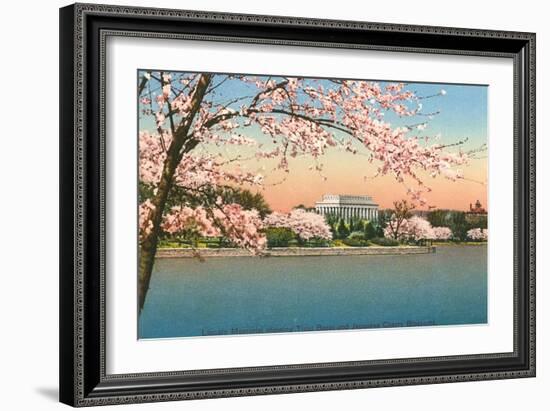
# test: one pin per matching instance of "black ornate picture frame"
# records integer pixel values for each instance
(83, 32)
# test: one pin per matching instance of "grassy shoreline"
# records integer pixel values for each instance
(204, 246)
(294, 251)
(452, 244)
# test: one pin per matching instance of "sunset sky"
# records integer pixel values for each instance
(462, 114)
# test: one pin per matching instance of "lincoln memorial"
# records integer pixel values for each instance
(347, 207)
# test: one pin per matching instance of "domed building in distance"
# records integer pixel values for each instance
(347, 207)
(477, 213)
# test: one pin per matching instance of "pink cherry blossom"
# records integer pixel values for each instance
(160, 117)
(145, 223)
(304, 224)
(478, 234)
(194, 171)
(242, 227)
(411, 229)
(419, 229)
(166, 91)
(442, 233)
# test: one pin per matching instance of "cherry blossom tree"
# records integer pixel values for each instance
(441, 233)
(396, 231)
(416, 229)
(478, 234)
(230, 220)
(411, 229)
(304, 224)
(396, 226)
(301, 117)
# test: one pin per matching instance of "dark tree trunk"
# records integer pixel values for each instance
(181, 144)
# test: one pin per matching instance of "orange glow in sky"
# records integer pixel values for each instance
(352, 174)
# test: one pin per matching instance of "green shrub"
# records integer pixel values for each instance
(337, 243)
(342, 229)
(316, 242)
(355, 242)
(172, 244)
(211, 241)
(356, 235)
(386, 242)
(294, 243)
(279, 236)
(370, 231)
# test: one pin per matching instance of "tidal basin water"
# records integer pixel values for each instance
(247, 295)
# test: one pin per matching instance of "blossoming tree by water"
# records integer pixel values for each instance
(396, 225)
(416, 229)
(301, 117)
(306, 225)
(478, 234)
(441, 233)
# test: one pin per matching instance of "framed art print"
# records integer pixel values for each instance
(260, 204)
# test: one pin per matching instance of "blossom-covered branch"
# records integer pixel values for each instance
(309, 116)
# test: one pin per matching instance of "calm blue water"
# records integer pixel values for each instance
(283, 294)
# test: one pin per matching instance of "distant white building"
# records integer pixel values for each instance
(347, 207)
